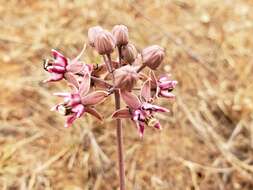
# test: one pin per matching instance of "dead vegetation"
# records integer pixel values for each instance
(207, 140)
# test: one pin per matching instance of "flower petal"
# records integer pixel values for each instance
(146, 90)
(154, 83)
(140, 126)
(166, 94)
(170, 84)
(62, 94)
(147, 106)
(75, 67)
(79, 55)
(122, 113)
(94, 98)
(55, 69)
(153, 77)
(79, 110)
(85, 85)
(59, 58)
(71, 78)
(131, 100)
(54, 77)
(94, 113)
(70, 120)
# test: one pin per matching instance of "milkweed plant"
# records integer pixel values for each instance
(123, 78)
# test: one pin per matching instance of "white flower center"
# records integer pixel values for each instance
(62, 110)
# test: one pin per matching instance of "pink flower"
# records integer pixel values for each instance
(140, 111)
(79, 102)
(163, 86)
(61, 67)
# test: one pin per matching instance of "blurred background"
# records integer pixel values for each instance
(207, 140)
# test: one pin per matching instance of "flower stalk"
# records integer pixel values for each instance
(92, 84)
(120, 142)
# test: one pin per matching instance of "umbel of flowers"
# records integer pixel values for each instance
(123, 77)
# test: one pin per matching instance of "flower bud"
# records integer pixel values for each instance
(104, 42)
(120, 33)
(152, 56)
(92, 33)
(129, 53)
(125, 77)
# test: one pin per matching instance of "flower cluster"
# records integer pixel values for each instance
(91, 84)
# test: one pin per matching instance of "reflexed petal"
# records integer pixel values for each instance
(166, 94)
(54, 77)
(94, 98)
(75, 60)
(70, 120)
(79, 110)
(140, 126)
(146, 90)
(85, 85)
(59, 58)
(153, 77)
(71, 78)
(75, 67)
(131, 100)
(154, 83)
(62, 94)
(94, 113)
(122, 113)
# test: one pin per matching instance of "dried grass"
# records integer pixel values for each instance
(207, 141)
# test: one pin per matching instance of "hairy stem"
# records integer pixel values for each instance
(120, 142)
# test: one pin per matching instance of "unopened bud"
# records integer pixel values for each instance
(125, 77)
(104, 42)
(129, 53)
(153, 56)
(92, 34)
(120, 33)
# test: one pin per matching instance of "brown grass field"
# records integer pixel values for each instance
(207, 140)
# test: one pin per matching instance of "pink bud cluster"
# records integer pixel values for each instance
(91, 84)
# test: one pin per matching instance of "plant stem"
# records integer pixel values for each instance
(140, 68)
(120, 54)
(102, 81)
(120, 142)
(119, 130)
